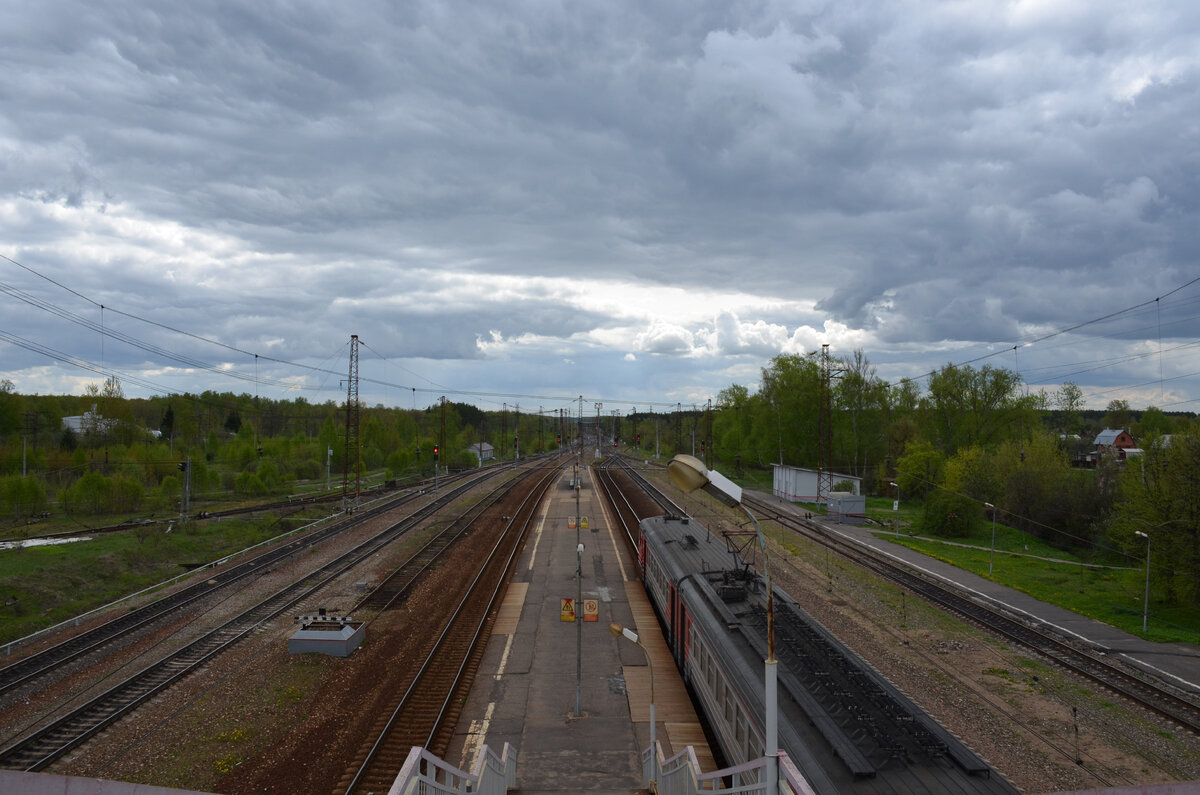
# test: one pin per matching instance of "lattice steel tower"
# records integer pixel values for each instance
(825, 430)
(353, 410)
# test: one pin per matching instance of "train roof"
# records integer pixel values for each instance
(710, 570)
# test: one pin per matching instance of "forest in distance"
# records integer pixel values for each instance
(964, 438)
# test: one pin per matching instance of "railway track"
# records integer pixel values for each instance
(32, 670)
(426, 712)
(41, 747)
(1157, 699)
(616, 477)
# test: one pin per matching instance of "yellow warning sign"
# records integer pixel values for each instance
(567, 608)
(570, 522)
(583, 522)
(591, 609)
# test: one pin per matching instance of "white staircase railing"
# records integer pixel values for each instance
(680, 775)
(425, 773)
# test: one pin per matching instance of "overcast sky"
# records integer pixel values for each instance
(524, 202)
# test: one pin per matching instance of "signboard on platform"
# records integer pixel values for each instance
(591, 609)
(583, 522)
(570, 522)
(567, 609)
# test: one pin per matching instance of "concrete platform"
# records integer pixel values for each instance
(526, 691)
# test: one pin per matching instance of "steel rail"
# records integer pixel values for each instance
(532, 500)
(42, 663)
(42, 747)
(1183, 711)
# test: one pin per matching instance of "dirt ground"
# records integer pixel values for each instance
(259, 720)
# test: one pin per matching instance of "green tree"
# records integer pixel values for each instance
(861, 408)
(10, 408)
(949, 514)
(1117, 415)
(1152, 424)
(786, 415)
(22, 496)
(1069, 402)
(966, 406)
(732, 424)
(1160, 495)
(919, 470)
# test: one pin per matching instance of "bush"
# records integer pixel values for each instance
(949, 515)
(89, 494)
(95, 494)
(21, 497)
(250, 484)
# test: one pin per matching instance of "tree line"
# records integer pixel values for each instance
(966, 438)
(956, 440)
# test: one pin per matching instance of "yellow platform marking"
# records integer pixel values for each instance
(510, 609)
(672, 705)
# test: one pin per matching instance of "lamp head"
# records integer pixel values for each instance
(688, 473)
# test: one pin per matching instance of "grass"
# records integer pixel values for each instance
(42, 586)
(269, 705)
(1085, 586)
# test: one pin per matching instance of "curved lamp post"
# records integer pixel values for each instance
(619, 631)
(1146, 599)
(1145, 602)
(688, 473)
(896, 510)
(992, 554)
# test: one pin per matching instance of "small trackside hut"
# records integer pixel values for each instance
(336, 636)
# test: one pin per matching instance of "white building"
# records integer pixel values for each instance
(482, 451)
(797, 484)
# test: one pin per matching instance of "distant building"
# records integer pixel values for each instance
(1110, 442)
(1114, 442)
(797, 484)
(483, 452)
(88, 422)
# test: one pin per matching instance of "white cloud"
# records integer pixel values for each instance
(489, 194)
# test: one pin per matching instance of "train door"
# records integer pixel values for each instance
(673, 621)
(683, 633)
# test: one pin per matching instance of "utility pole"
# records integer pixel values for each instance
(825, 430)
(353, 459)
(441, 439)
(184, 504)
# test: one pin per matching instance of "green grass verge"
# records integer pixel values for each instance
(42, 586)
(1111, 595)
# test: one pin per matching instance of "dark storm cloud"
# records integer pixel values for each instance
(507, 180)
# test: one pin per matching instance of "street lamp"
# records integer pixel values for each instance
(1146, 599)
(688, 473)
(1140, 534)
(896, 511)
(992, 554)
(578, 627)
(618, 631)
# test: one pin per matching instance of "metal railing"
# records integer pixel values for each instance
(680, 775)
(423, 772)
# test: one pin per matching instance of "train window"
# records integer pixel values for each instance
(740, 735)
(729, 705)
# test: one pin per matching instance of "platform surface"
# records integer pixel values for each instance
(536, 665)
